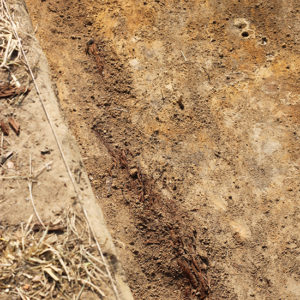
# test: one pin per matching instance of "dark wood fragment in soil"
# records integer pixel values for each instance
(91, 49)
(8, 90)
(14, 125)
(4, 127)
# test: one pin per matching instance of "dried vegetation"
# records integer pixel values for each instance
(59, 261)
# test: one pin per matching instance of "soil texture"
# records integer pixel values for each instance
(187, 115)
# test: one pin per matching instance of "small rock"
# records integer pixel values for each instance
(10, 165)
(203, 254)
(133, 172)
(46, 151)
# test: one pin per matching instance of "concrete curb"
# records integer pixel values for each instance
(39, 64)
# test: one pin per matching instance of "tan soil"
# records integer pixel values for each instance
(190, 136)
(52, 189)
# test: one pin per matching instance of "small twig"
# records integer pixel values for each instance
(93, 286)
(80, 293)
(101, 254)
(14, 125)
(30, 184)
(6, 51)
(103, 275)
(26, 232)
(21, 295)
(32, 178)
(183, 56)
(18, 84)
(33, 205)
(18, 178)
(207, 74)
(3, 159)
(1, 145)
(62, 263)
(46, 166)
(30, 165)
(119, 109)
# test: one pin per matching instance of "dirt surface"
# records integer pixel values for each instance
(34, 182)
(187, 115)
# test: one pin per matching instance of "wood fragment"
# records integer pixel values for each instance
(9, 90)
(50, 272)
(91, 49)
(187, 271)
(50, 226)
(33, 205)
(185, 59)
(5, 157)
(14, 125)
(93, 286)
(4, 127)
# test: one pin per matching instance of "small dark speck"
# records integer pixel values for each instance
(180, 103)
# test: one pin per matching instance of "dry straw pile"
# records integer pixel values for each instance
(60, 261)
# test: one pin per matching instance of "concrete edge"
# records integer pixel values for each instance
(39, 64)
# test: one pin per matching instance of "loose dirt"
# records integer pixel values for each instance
(43, 248)
(187, 115)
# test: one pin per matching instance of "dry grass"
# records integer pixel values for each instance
(58, 262)
(11, 60)
(44, 261)
(10, 53)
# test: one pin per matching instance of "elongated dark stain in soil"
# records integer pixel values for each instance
(163, 226)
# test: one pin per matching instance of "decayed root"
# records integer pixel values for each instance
(10, 90)
(185, 255)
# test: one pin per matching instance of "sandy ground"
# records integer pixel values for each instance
(189, 127)
(35, 146)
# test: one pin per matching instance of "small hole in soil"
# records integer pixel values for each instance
(264, 40)
(14, 54)
(245, 34)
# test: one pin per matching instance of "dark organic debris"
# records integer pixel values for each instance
(91, 49)
(4, 127)
(9, 90)
(14, 125)
(5, 157)
(186, 254)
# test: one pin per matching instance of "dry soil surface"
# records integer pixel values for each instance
(33, 176)
(187, 114)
